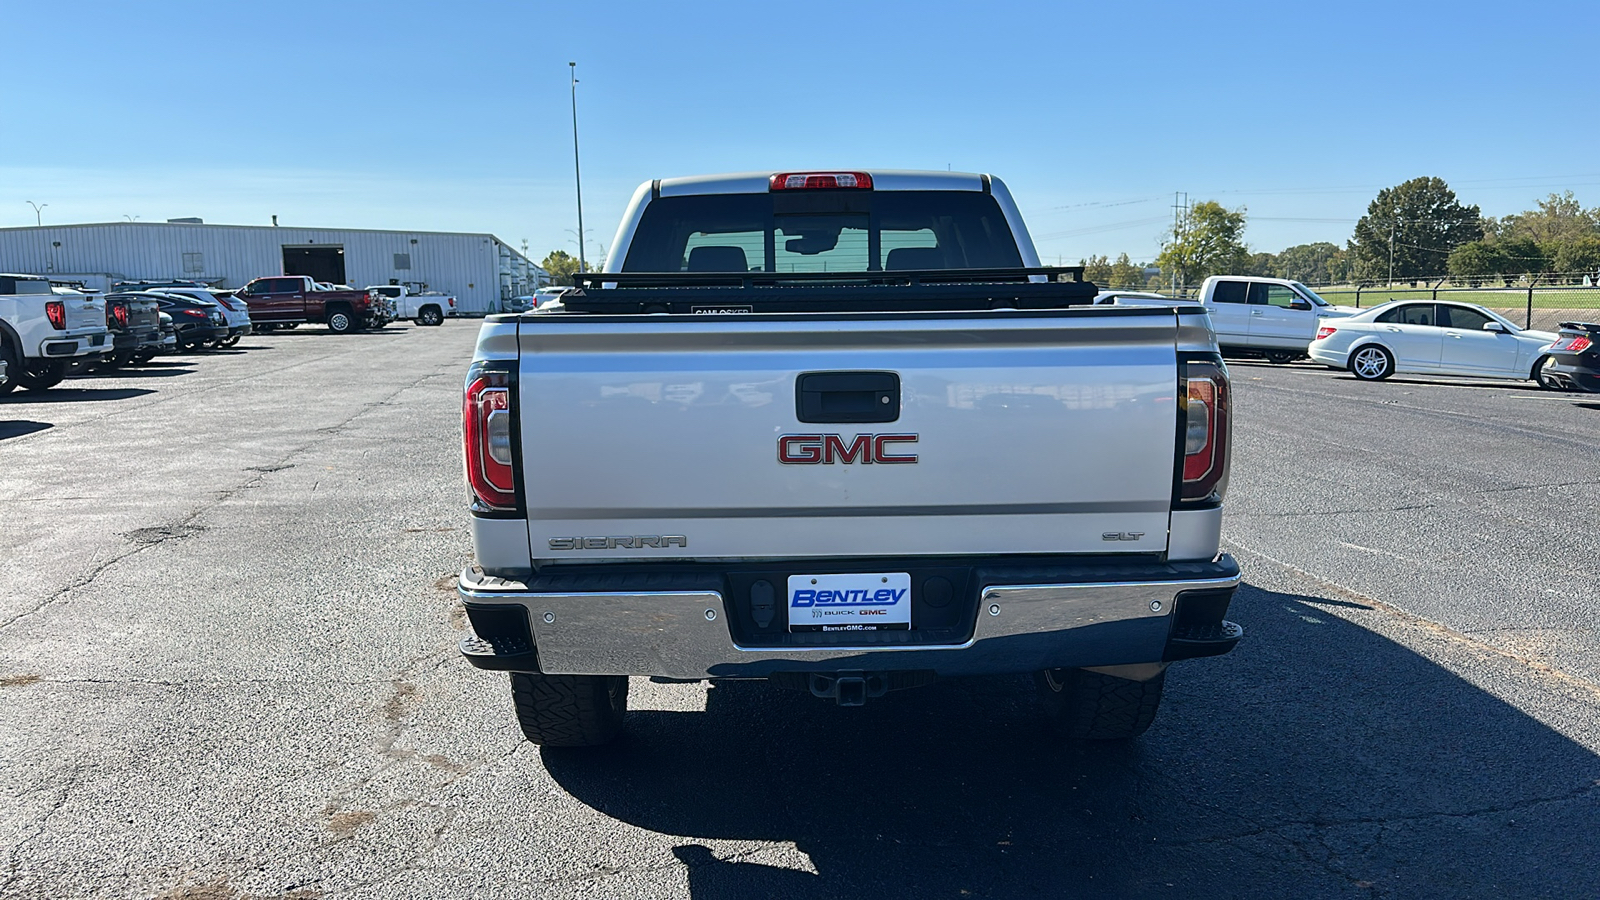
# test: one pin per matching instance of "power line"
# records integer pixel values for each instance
(1114, 226)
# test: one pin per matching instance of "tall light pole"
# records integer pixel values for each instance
(577, 172)
(37, 219)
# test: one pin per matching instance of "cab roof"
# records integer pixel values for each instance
(882, 180)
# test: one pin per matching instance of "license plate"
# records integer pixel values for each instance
(879, 601)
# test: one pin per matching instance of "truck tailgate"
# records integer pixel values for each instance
(1035, 432)
(82, 311)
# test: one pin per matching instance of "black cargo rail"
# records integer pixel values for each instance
(715, 293)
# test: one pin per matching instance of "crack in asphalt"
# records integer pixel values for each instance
(1437, 628)
(1577, 793)
(1577, 442)
(179, 528)
(14, 863)
(178, 392)
(1329, 512)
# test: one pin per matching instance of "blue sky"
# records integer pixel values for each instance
(455, 116)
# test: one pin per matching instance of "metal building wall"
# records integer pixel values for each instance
(479, 269)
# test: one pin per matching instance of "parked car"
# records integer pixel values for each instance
(1432, 338)
(1131, 297)
(424, 308)
(1271, 317)
(235, 313)
(134, 286)
(883, 503)
(1573, 362)
(196, 322)
(134, 320)
(287, 300)
(44, 329)
(547, 295)
(169, 334)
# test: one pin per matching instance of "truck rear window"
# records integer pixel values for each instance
(823, 231)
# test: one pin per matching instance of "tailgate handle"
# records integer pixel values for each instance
(830, 397)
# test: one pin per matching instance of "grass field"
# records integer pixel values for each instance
(1513, 298)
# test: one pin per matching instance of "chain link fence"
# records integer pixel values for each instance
(1531, 306)
(1542, 308)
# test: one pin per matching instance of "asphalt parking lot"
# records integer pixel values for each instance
(227, 669)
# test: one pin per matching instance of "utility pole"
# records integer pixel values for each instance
(1180, 219)
(1392, 223)
(37, 219)
(577, 172)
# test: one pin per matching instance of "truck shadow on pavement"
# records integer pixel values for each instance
(63, 394)
(15, 428)
(1319, 759)
(165, 369)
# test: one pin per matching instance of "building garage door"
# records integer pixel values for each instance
(321, 263)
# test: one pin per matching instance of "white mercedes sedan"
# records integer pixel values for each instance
(1430, 338)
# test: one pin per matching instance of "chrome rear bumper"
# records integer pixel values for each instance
(685, 633)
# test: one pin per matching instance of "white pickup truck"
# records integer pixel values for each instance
(1254, 316)
(426, 308)
(44, 328)
(842, 432)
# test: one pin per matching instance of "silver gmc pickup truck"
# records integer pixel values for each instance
(842, 432)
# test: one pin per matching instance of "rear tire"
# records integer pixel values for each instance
(1281, 357)
(1537, 375)
(1371, 362)
(430, 315)
(42, 374)
(141, 357)
(13, 366)
(569, 710)
(230, 340)
(1091, 706)
(341, 322)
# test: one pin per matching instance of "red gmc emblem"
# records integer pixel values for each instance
(831, 449)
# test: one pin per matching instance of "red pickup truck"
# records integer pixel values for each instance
(288, 300)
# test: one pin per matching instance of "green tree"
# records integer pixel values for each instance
(1208, 242)
(1415, 225)
(1578, 257)
(1264, 264)
(1559, 218)
(1126, 275)
(1476, 261)
(1524, 256)
(1307, 262)
(1098, 270)
(1341, 266)
(560, 264)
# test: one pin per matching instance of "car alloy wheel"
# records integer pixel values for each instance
(339, 323)
(1371, 363)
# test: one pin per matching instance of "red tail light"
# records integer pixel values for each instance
(486, 428)
(1572, 343)
(1207, 417)
(119, 312)
(197, 313)
(1325, 331)
(798, 181)
(56, 312)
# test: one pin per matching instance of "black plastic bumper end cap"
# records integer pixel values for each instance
(1210, 640)
(481, 654)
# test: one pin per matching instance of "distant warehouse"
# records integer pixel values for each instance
(481, 270)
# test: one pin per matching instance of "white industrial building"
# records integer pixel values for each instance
(481, 270)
